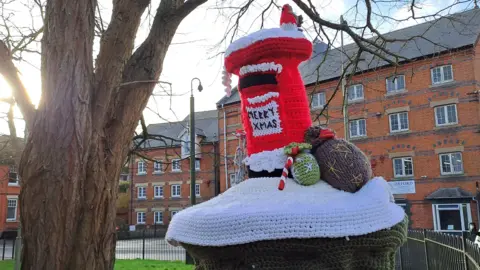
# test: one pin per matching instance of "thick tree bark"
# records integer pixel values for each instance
(82, 129)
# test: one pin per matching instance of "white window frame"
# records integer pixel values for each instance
(197, 188)
(172, 213)
(442, 75)
(445, 114)
(158, 167)
(172, 188)
(144, 167)
(397, 115)
(179, 169)
(197, 161)
(157, 220)
(358, 128)
(232, 177)
(395, 82)
(186, 144)
(355, 98)
(451, 165)
(155, 189)
(139, 215)
(403, 159)
(144, 192)
(319, 96)
(11, 170)
(16, 209)
(453, 206)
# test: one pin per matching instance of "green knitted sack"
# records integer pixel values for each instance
(305, 169)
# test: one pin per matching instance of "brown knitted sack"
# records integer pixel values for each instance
(374, 251)
(343, 165)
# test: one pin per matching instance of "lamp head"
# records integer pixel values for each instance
(200, 87)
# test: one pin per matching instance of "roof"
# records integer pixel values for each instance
(455, 31)
(206, 125)
(449, 193)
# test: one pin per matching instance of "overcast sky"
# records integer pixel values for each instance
(193, 51)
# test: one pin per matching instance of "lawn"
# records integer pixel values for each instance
(129, 265)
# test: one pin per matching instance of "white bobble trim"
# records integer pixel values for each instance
(263, 67)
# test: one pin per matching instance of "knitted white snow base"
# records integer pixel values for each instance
(256, 210)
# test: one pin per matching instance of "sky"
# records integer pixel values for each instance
(196, 50)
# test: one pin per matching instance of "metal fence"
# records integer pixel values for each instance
(428, 250)
(147, 245)
(7, 249)
(424, 250)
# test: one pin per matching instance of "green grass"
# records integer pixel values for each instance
(6, 265)
(128, 265)
(150, 265)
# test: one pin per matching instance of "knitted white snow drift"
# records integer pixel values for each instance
(256, 210)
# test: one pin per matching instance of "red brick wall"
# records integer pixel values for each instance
(423, 138)
(7, 191)
(205, 177)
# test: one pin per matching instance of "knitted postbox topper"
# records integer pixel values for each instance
(275, 109)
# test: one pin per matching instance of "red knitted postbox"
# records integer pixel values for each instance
(275, 108)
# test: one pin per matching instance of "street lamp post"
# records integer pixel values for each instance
(188, 257)
(192, 139)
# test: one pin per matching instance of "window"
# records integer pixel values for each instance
(355, 92)
(11, 209)
(197, 164)
(398, 122)
(403, 167)
(318, 100)
(395, 83)
(157, 167)
(358, 128)
(175, 190)
(158, 191)
(451, 217)
(12, 176)
(141, 192)
(197, 190)
(451, 163)
(232, 179)
(186, 144)
(142, 167)
(176, 165)
(172, 213)
(158, 217)
(140, 217)
(446, 115)
(442, 74)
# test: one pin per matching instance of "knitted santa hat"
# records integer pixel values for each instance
(256, 225)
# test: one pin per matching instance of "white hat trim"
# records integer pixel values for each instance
(263, 67)
(260, 35)
(266, 160)
(255, 210)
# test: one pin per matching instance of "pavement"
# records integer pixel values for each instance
(155, 249)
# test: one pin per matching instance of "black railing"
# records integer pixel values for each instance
(147, 244)
(438, 251)
(424, 250)
(7, 249)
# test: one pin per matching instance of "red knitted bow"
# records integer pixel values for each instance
(326, 134)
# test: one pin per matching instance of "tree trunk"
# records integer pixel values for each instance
(81, 132)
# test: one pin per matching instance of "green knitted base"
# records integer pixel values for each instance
(375, 251)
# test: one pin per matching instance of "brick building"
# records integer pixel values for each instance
(9, 188)
(419, 124)
(161, 187)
